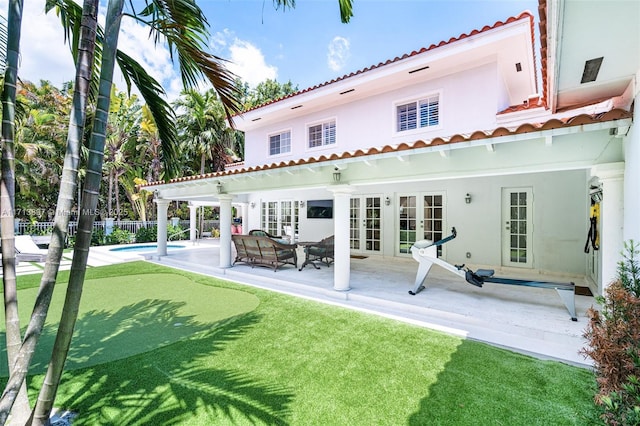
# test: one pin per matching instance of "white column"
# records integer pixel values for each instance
(225, 230)
(163, 208)
(611, 220)
(342, 249)
(193, 225)
(245, 217)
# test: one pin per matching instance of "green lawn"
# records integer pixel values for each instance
(273, 359)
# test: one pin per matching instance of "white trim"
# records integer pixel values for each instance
(322, 122)
(418, 130)
(278, 133)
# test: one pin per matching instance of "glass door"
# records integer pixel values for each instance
(420, 217)
(366, 224)
(517, 227)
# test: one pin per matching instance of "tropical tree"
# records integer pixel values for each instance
(149, 146)
(184, 27)
(39, 147)
(203, 128)
(122, 130)
(268, 90)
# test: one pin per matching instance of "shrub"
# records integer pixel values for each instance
(97, 237)
(147, 235)
(613, 336)
(119, 236)
(215, 232)
(175, 232)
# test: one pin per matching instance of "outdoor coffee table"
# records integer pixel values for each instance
(307, 261)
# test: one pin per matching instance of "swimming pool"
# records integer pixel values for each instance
(145, 248)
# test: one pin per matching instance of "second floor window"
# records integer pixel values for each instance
(418, 114)
(280, 143)
(322, 134)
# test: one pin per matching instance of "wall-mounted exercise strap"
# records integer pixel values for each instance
(593, 239)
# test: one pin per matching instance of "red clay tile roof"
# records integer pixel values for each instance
(554, 123)
(523, 15)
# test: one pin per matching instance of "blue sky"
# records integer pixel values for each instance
(307, 45)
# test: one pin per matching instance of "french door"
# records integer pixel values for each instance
(276, 215)
(517, 227)
(366, 224)
(420, 217)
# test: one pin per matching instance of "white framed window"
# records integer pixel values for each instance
(418, 114)
(322, 134)
(280, 143)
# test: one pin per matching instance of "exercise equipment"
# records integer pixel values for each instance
(425, 253)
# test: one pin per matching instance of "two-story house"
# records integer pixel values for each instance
(458, 134)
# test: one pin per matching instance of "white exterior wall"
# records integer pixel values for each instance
(632, 179)
(469, 101)
(560, 217)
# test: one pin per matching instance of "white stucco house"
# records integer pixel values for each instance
(483, 132)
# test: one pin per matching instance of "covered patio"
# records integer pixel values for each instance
(533, 321)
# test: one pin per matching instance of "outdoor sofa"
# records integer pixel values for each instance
(261, 250)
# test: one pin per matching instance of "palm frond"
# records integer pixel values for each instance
(185, 28)
(162, 113)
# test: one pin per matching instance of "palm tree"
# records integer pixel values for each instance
(124, 119)
(184, 27)
(7, 200)
(199, 123)
(149, 146)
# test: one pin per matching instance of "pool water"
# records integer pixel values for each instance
(146, 247)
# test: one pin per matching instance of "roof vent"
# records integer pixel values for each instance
(296, 107)
(518, 67)
(591, 69)
(256, 119)
(419, 69)
(347, 91)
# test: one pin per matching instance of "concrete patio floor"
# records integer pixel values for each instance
(529, 320)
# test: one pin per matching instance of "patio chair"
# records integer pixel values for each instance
(322, 251)
(28, 251)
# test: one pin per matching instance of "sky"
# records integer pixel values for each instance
(307, 45)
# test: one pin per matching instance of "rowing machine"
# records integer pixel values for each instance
(425, 253)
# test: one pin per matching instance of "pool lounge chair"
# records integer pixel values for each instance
(28, 251)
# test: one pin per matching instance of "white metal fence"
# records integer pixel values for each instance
(44, 228)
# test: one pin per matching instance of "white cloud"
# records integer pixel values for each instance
(244, 59)
(338, 53)
(155, 58)
(44, 55)
(248, 63)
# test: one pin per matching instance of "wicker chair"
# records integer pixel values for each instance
(322, 251)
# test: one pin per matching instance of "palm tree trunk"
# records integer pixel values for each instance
(84, 66)
(85, 225)
(13, 337)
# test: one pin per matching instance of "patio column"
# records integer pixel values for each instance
(611, 177)
(225, 230)
(342, 249)
(245, 217)
(193, 226)
(163, 208)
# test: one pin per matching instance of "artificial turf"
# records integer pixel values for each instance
(292, 361)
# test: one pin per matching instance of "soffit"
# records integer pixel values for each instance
(584, 30)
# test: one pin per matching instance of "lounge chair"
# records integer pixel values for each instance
(28, 251)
